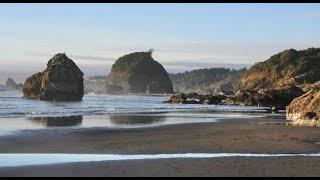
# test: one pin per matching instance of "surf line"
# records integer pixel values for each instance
(9, 160)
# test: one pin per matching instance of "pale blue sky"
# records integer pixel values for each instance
(184, 36)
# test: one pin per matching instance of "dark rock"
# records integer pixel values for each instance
(212, 99)
(62, 80)
(32, 86)
(191, 102)
(278, 97)
(178, 99)
(193, 95)
(139, 73)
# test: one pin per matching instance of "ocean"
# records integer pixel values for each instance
(109, 111)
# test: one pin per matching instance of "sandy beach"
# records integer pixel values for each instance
(232, 135)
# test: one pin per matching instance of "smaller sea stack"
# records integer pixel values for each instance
(62, 80)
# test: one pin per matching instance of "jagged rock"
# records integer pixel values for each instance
(32, 86)
(62, 80)
(305, 109)
(177, 99)
(193, 95)
(278, 98)
(196, 99)
(139, 73)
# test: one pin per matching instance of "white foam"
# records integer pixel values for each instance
(9, 160)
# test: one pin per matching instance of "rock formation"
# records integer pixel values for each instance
(11, 85)
(277, 97)
(290, 67)
(278, 80)
(62, 80)
(305, 110)
(194, 98)
(139, 73)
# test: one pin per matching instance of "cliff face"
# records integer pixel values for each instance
(139, 73)
(305, 110)
(206, 81)
(289, 67)
(62, 80)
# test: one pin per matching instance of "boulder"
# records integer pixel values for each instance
(139, 73)
(177, 99)
(212, 99)
(62, 80)
(305, 110)
(193, 95)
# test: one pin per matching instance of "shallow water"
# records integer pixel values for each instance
(9, 160)
(125, 111)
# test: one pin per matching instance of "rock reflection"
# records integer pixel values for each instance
(58, 121)
(135, 119)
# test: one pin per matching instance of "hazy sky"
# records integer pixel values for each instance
(184, 36)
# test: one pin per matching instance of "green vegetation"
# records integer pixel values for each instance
(208, 80)
(303, 66)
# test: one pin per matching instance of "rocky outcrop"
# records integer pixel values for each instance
(290, 67)
(139, 73)
(32, 86)
(278, 80)
(277, 97)
(62, 80)
(194, 98)
(305, 110)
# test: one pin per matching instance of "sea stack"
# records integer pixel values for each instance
(138, 73)
(62, 80)
(305, 110)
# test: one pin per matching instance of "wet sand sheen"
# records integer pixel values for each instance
(14, 160)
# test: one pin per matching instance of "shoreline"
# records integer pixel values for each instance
(253, 135)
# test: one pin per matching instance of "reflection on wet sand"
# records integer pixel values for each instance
(135, 119)
(57, 121)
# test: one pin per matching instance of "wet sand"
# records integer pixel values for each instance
(293, 166)
(234, 135)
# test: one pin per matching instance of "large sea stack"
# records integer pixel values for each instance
(281, 76)
(138, 73)
(305, 110)
(62, 80)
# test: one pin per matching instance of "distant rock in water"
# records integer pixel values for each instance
(62, 80)
(138, 73)
(305, 110)
(290, 67)
(12, 85)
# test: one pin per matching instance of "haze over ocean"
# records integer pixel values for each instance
(185, 37)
